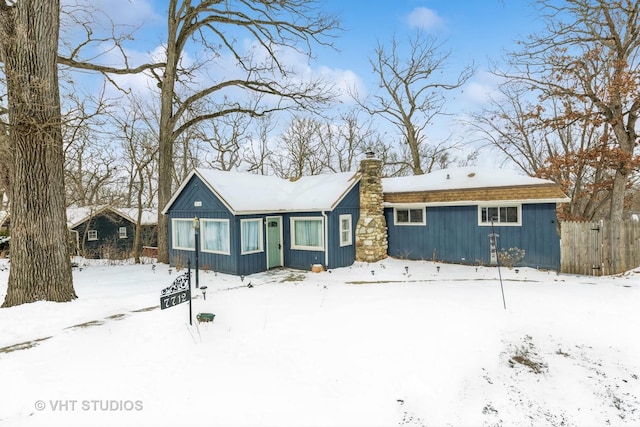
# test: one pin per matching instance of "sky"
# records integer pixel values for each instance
(475, 32)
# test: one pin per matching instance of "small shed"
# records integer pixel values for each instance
(248, 223)
(467, 215)
(108, 232)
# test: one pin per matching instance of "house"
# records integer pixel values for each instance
(467, 215)
(109, 232)
(249, 223)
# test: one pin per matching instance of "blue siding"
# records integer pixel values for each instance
(452, 234)
(235, 263)
(295, 258)
(109, 244)
(343, 256)
(211, 207)
(249, 263)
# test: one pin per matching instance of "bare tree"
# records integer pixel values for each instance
(91, 160)
(411, 94)
(140, 150)
(40, 263)
(298, 151)
(542, 139)
(226, 138)
(341, 141)
(354, 137)
(263, 84)
(257, 154)
(590, 51)
(311, 146)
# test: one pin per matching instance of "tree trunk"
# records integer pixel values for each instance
(40, 263)
(166, 138)
(413, 142)
(136, 239)
(626, 138)
(617, 196)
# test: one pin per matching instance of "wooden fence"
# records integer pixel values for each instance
(599, 248)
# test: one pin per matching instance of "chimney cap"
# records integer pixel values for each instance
(370, 154)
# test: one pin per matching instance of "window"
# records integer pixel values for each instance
(410, 216)
(251, 231)
(183, 234)
(92, 235)
(122, 232)
(215, 236)
(306, 234)
(345, 230)
(501, 215)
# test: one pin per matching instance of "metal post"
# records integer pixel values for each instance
(504, 303)
(189, 280)
(196, 228)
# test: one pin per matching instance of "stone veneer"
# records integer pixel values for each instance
(371, 229)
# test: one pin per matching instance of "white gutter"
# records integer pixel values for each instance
(477, 202)
(326, 239)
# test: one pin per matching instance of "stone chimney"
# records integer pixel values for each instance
(371, 229)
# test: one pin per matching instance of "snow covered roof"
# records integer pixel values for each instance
(471, 184)
(459, 178)
(149, 216)
(78, 215)
(245, 192)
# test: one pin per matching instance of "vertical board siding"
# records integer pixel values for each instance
(296, 258)
(452, 234)
(107, 225)
(600, 248)
(343, 256)
(236, 263)
(211, 208)
(250, 263)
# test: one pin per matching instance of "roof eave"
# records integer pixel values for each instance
(478, 202)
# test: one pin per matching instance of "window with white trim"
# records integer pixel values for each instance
(182, 234)
(215, 236)
(92, 235)
(409, 216)
(345, 230)
(251, 235)
(501, 215)
(122, 232)
(307, 234)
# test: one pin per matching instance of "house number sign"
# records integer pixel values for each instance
(177, 293)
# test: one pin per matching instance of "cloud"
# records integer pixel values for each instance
(345, 83)
(481, 89)
(477, 93)
(122, 12)
(425, 19)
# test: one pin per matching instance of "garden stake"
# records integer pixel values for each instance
(504, 303)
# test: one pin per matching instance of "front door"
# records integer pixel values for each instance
(274, 241)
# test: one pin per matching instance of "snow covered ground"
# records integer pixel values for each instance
(367, 345)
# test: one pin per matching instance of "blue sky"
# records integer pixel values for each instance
(474, 31)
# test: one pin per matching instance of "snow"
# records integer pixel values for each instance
(460, 178)
(366, 345)
(245, 192)
(77, 215)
